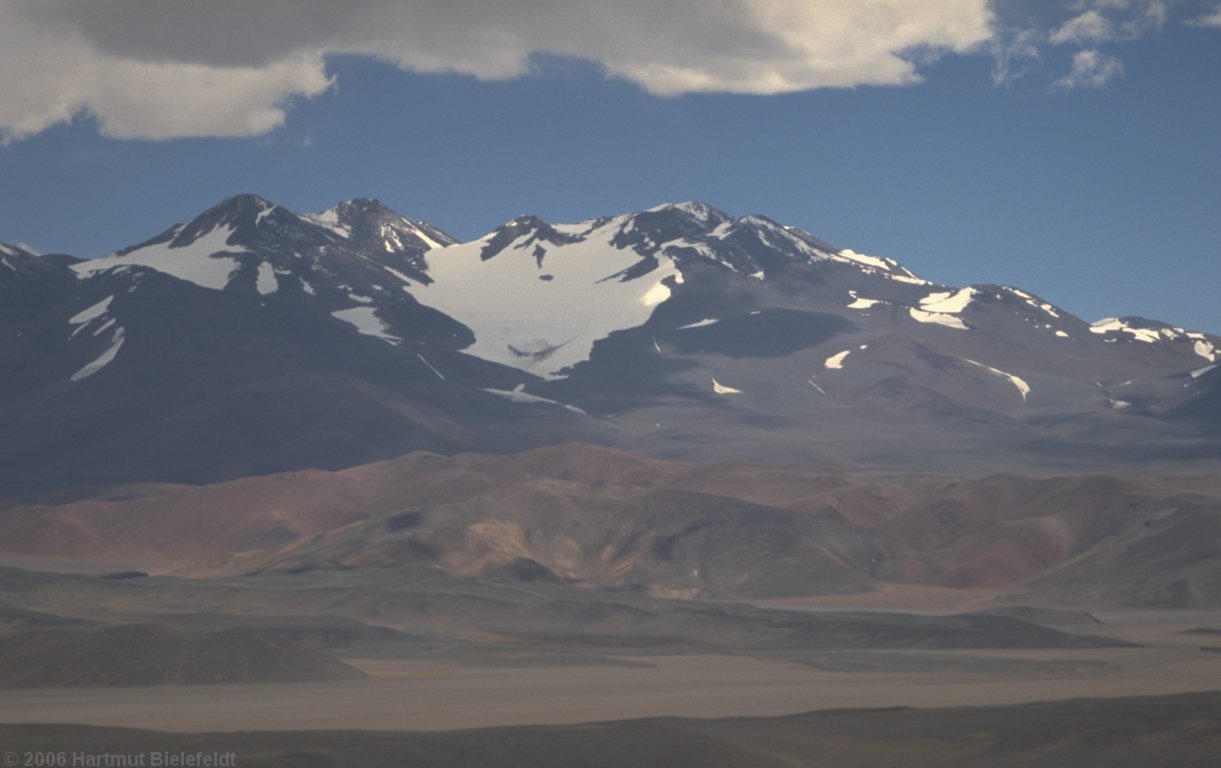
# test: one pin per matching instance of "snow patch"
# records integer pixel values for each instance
(263, 214)
(1200, 343)
(102, 360)
(267, 281)
(721, 389)
(1197, 373)
(1062, 334)
(391, 240)
(430, 366)
(862, 258)
(1017, 382)
(1032, 301)
(655, 295)
(89, 314)
(862, 303)
(406, 280)
(1114, 324)
(947, 302)
(420, 233)
(836, 361)
(949, 321)
(366, 321)
(519, 395)
(698, 324)
(329, 220)
(697, 211)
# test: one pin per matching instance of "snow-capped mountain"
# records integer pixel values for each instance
(254, 338)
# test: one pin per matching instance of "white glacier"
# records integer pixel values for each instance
(544, 326)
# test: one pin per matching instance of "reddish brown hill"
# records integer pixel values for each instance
(610, 518)
(172, 526)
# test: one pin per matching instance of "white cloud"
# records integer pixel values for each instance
(170, 68)
(174, 68)
(50, 73)
(1091, 69)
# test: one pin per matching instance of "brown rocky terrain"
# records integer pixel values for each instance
(611, 519)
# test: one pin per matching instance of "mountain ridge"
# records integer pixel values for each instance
(252, 339)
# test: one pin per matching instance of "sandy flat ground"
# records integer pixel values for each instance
(431, 695)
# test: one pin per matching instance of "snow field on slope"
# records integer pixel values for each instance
(193, 263)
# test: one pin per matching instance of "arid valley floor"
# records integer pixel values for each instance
(608, 638)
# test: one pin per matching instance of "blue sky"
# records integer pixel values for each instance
(1072, 149)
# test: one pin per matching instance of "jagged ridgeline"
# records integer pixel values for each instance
(254, 339)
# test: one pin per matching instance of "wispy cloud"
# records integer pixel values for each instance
(1092, 69)
(1212, 19)
(1014, 55)
(1089, 28)
(1086, 25)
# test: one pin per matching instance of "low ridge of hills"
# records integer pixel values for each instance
(588, 516)
(155, 654)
